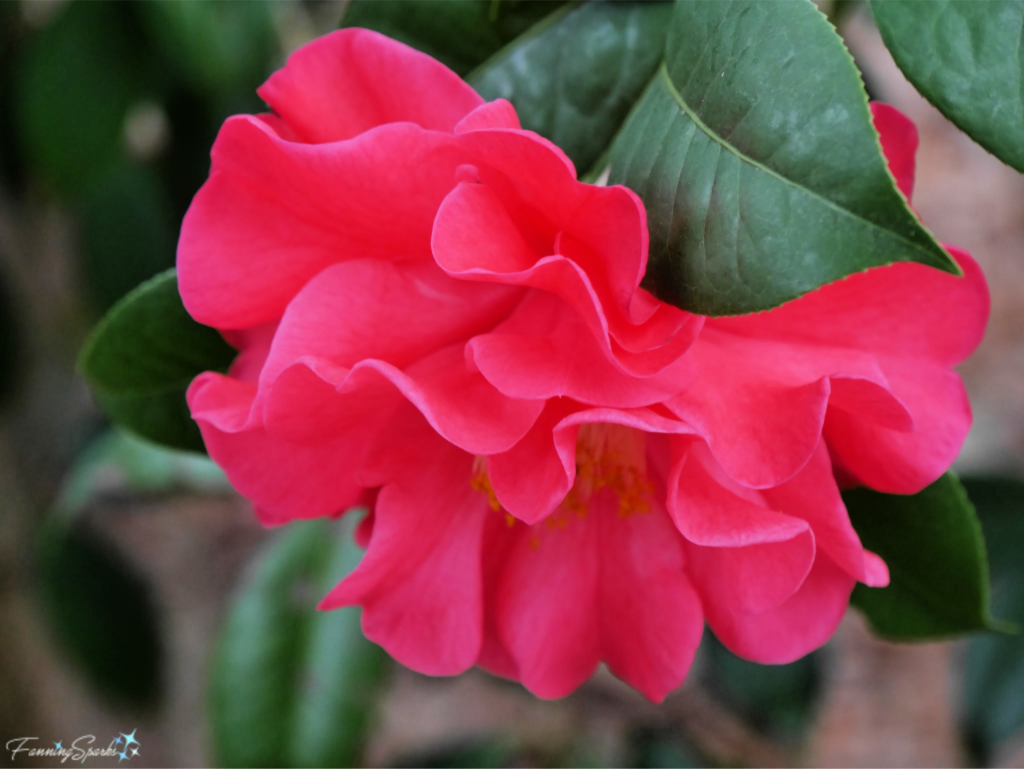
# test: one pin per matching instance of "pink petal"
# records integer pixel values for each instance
(905, 310)
(898, 136)
(459, 403)
(420, 582)
(476, 238)
(905, 462)
(274, 213)
(393, 312)
(544, 350)
(814, 496)
(651, 617)
(494, 114)
(285, 481)
(547, 607)
(799, 626)
(743, 555)
(352, 80)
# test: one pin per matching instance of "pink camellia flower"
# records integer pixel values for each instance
(437, 321)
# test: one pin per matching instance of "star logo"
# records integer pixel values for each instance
(117, 741)
(123, 755)
(135, 752)
(59, 745)
(129, 739)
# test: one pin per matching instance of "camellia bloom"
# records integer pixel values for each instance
(437, 321)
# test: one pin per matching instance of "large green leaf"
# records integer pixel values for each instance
(291, 686)
(994, 670)
(965, 57)
(141, 358)
(933, 545)
(574, 77)
(100, 611)
(460, 33)
(755, 155)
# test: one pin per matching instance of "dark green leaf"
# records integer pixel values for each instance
(933, 546)
(143, 355)
(77, 80)
(100, 612)
(291, 686)
(994, 671)
(126, 233)
(460, 33)
(779, 698)
(574, 78)
(754, 152)
(965, 57)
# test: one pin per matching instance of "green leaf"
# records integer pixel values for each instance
(141, 358)
(76, 81)
(459, 33)
(933, 545)
(965, 57)
(291, 686)
(754, 152)
(100, 612)
(994, 668)
(127, 234)
(574, 77)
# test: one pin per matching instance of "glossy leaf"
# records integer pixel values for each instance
(933, 545)
(574, 78)
(754, 152)
(100, 612)
(291, 686)
(460, 33)
(141, 358)
(994, 669)
(965, 57)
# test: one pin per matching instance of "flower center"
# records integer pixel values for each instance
(608, 457)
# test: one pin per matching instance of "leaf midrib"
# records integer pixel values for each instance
(677, 97)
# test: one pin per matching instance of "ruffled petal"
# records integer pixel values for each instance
(814, 496)
(285, 481)
(274, 213)
(742, 555)
(420, 583)
(797, 627)
(392, 312)
(544, 350)
(905, 462)
(458, 402)
(477, 238)
(904, 310)
(352, 80)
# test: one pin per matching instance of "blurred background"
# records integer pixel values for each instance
(137, 591)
